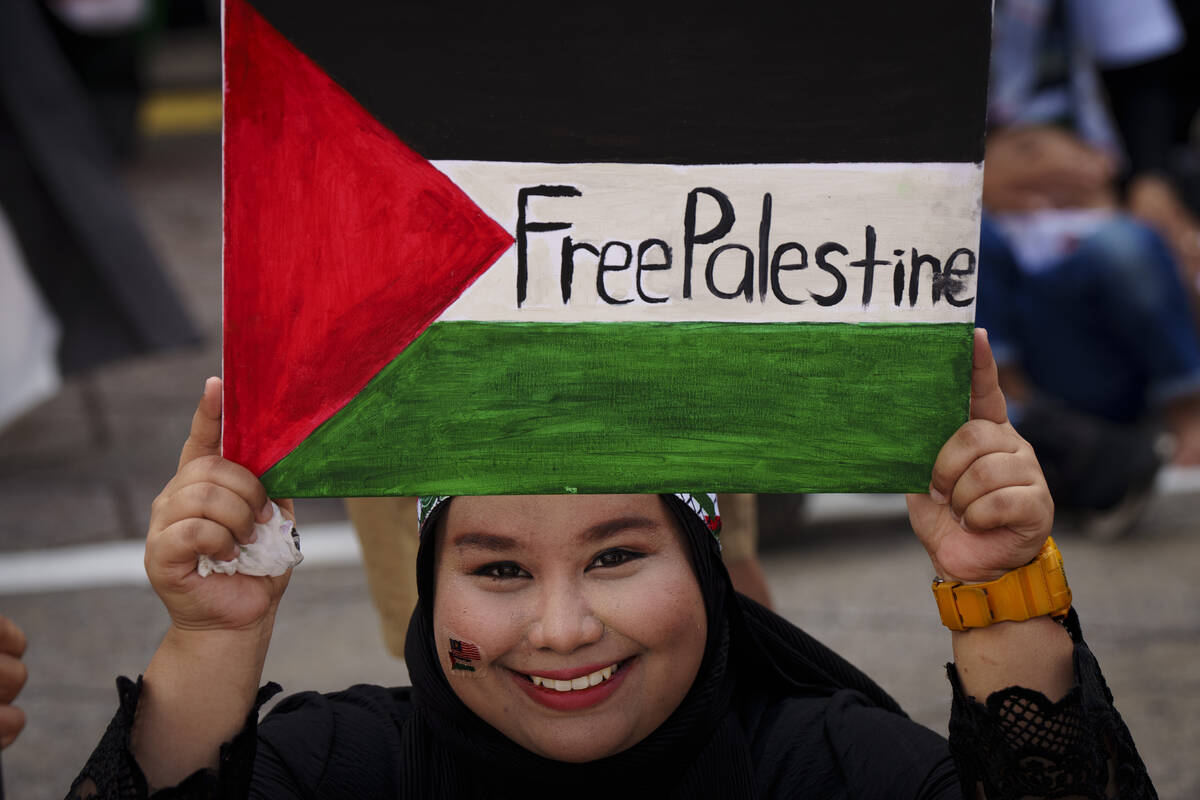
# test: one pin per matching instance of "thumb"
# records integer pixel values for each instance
(204, 439)
(987, 401)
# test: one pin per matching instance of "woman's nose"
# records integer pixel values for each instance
(566, 620)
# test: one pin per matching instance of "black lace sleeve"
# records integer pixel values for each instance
(1020, 745)
(112, 773)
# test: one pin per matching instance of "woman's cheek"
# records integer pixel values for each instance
(674, 596)
(472, 632)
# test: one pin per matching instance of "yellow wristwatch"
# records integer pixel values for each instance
(1035, 590)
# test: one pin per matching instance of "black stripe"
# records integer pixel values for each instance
(827, 81)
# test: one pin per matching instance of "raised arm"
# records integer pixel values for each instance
(1032, 715)
(988, 511)
(203, 679)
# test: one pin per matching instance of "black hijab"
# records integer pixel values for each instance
(699, 751)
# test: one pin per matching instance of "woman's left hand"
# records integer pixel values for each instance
(988, 510)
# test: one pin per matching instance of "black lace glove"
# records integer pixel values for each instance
(111, 773)
(1020, 745)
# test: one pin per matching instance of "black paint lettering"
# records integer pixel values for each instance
(764, 245)
(840, 291)
(868, 264)
(691, 238)
(604, 266)
(914, 288)
(952, 283)
(524, 228)
(642, 266)
(777, 266)
(898, 279)
(746, 287)
(567, 271)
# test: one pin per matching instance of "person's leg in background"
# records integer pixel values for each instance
(1110, 331)
(739, 545)
(387, 530)
(1096, 351)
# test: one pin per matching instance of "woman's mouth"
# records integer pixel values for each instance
(563, 691)
(575, 684)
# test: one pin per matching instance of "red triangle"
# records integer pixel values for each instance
(341, 244)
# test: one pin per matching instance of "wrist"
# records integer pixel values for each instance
(187, 660)
(196, 695)
(245, 645)
(185, 631)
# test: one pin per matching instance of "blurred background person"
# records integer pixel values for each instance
(1154, 101)
(1087, 307)
(81, 280)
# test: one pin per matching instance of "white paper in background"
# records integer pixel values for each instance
(28, 335)
(1041, 239)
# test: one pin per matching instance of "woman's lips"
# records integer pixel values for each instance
(548, 694)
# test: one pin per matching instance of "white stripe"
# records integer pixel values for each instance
(120, 563)
(932, 208)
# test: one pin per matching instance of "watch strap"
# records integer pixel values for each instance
(1037, 589)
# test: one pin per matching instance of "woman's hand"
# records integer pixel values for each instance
(12, 678)
(209, 507)
(988, 510)
(201, 684)
(1037, 167)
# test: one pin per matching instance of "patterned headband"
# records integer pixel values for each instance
(704, 506)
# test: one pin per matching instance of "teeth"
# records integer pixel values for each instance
(575, 684)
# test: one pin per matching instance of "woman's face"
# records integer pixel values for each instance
(549, 592)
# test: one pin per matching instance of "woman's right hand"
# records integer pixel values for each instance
(209, 507)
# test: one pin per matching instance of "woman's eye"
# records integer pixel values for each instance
(502, 570)
(614, 558)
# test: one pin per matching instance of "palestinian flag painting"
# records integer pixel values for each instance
(542, 249)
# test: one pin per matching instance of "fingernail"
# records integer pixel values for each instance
(936, 496)
(266, 513)
(253, 537)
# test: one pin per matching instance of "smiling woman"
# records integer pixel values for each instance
(554, 593)
(593, 646)
(654, 675)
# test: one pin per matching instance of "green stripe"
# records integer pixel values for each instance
(531, 408)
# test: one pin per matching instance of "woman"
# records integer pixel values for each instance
(592, 646)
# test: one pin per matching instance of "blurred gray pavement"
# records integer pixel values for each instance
(83, 468)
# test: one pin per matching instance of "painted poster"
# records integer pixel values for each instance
(569, 249)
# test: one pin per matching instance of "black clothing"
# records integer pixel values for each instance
(354, 744)
(772, 713)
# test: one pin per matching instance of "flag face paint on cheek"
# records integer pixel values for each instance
(464, 657)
